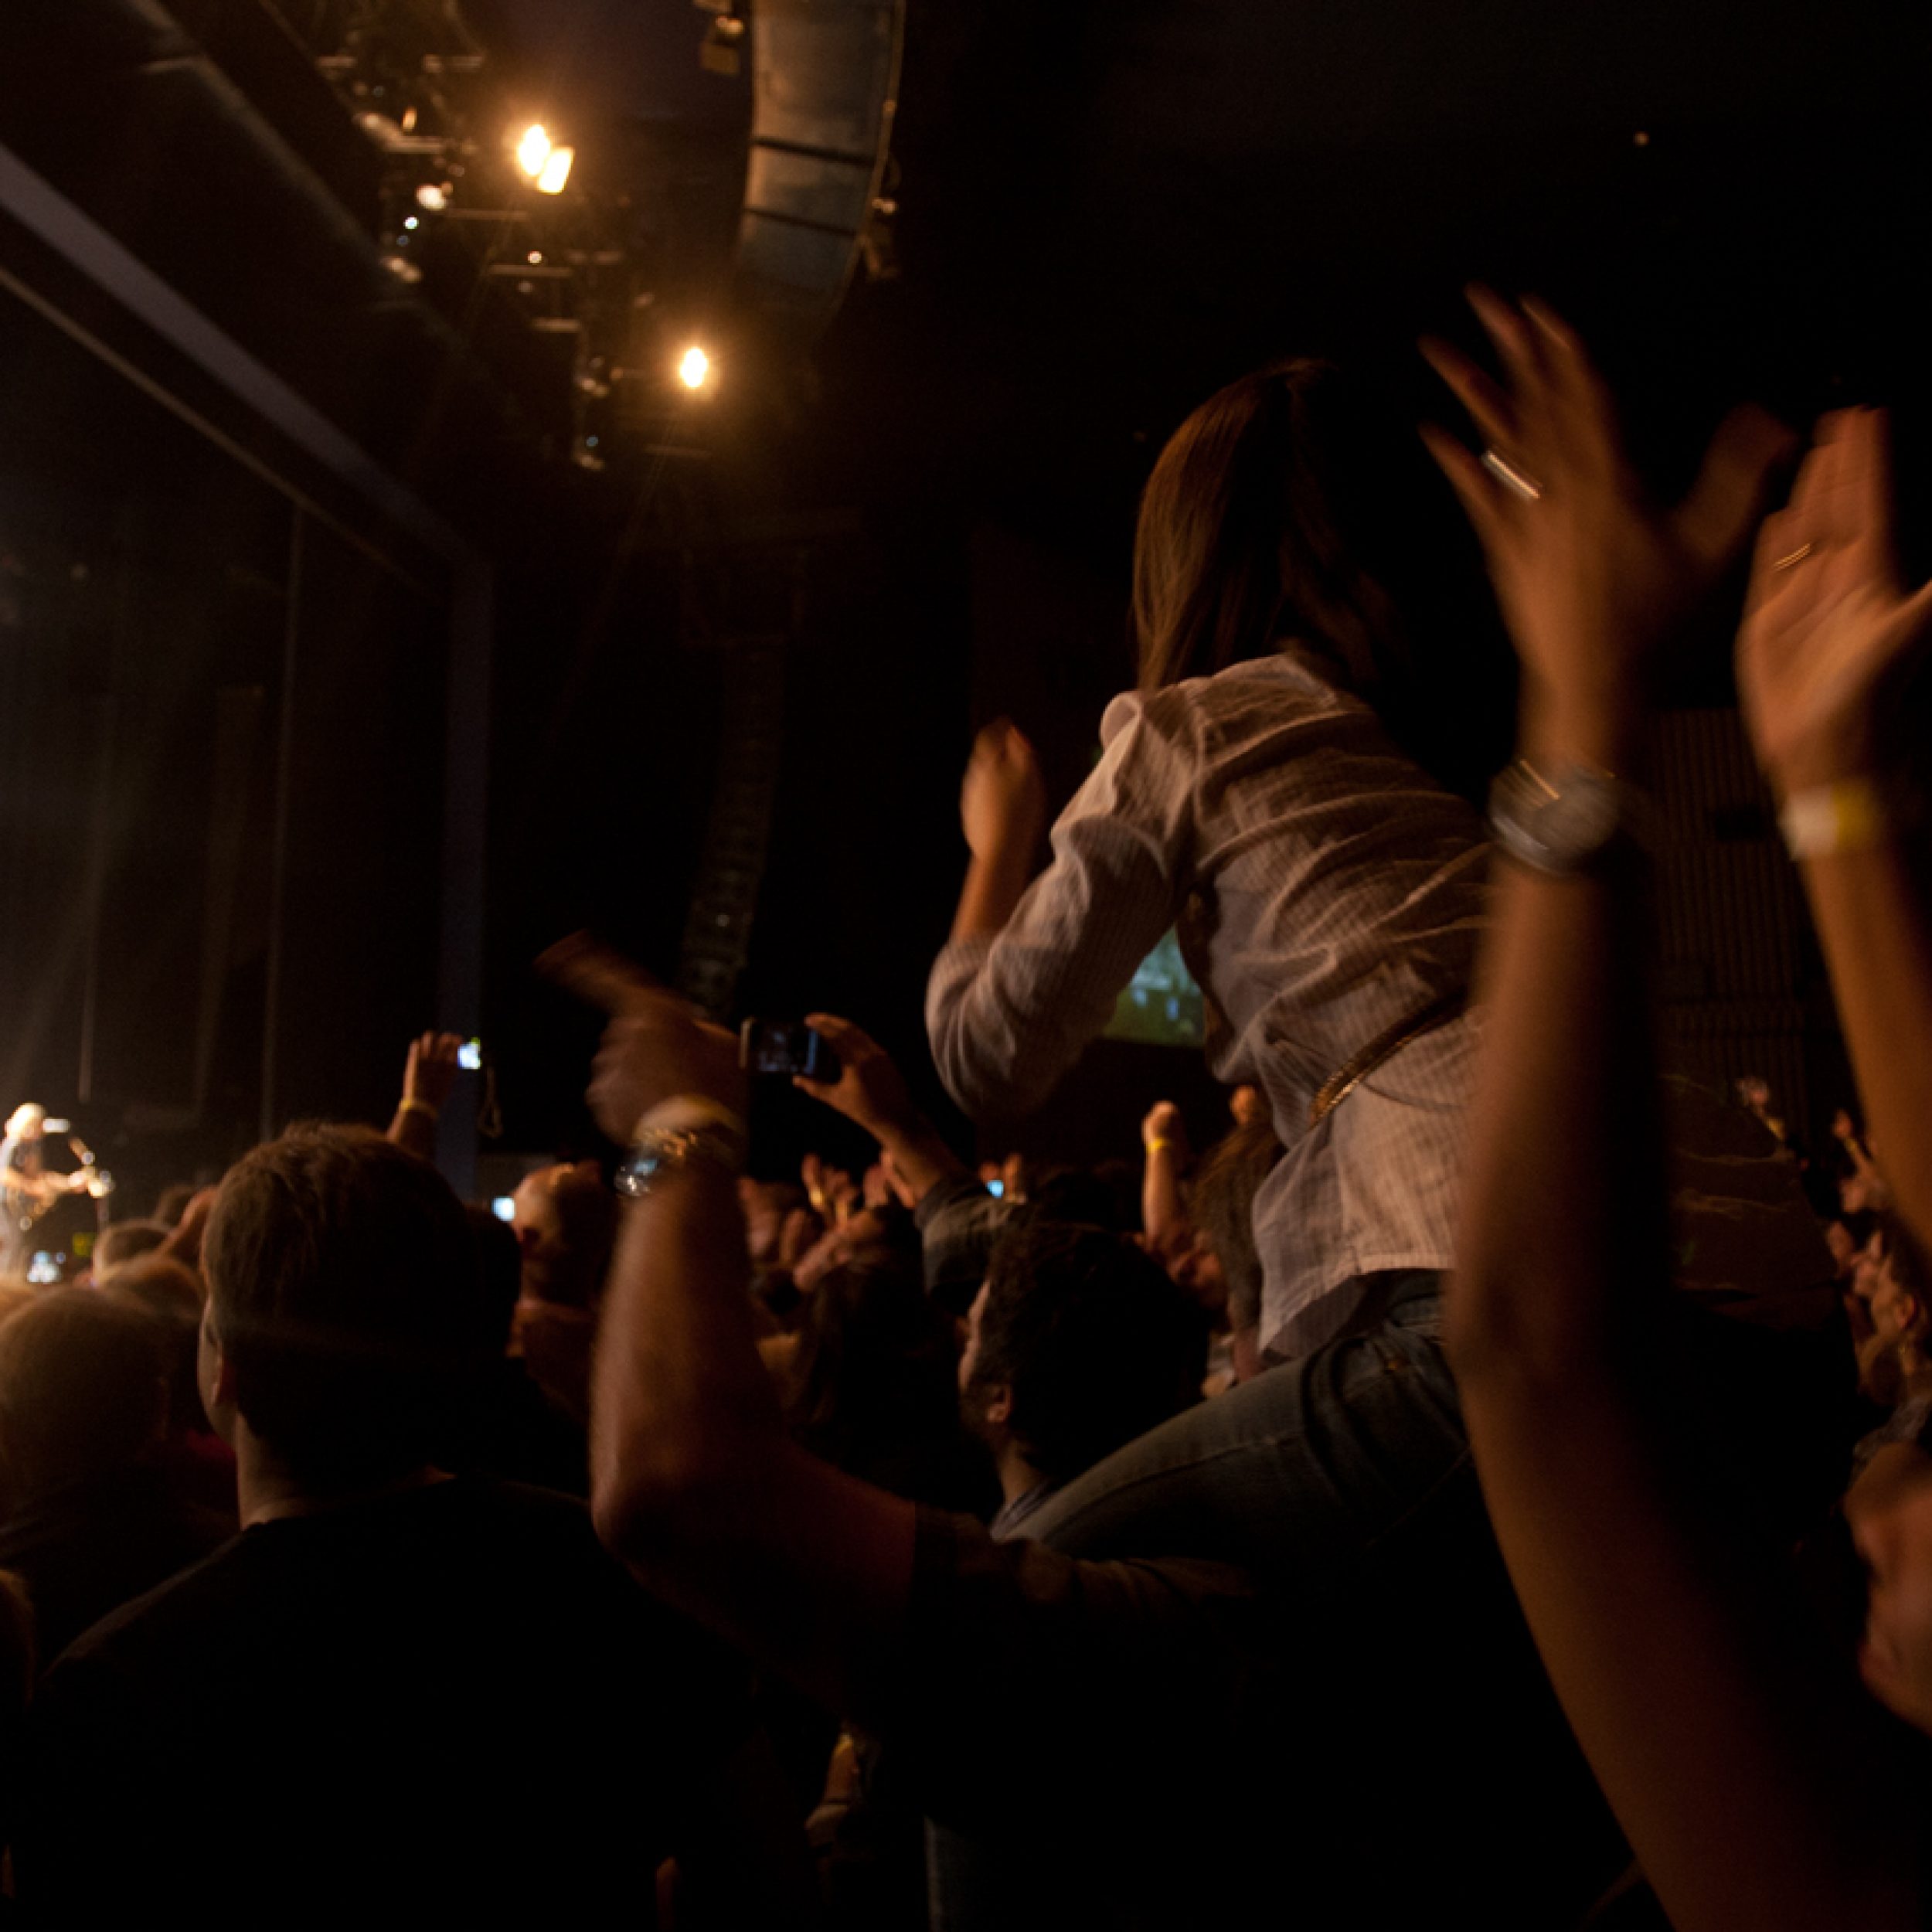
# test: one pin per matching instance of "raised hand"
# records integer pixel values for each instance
(430, 1071)
(1591, 574)
(870, 1088)
(1828, 615)
(1163, 1123)
(658, 1045)
(1002, 802)
(842, 1192)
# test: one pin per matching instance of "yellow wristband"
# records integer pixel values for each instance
(1154, 1146)
(1847, 815)
(410, 1104)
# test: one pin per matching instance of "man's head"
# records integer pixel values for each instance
(339, 1271)
(1077, 1343)
(123, 1241)
(27, 1122)
(565, 1220)
(83, 1392)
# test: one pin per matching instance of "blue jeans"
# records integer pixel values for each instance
(1437, 1763)
(1295, 1475)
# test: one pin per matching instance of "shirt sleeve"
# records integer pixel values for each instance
(1007, 1016)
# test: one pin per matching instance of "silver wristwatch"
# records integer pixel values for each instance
(1562, 822)
(659, 1151)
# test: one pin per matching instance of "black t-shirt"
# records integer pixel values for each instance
(450, 1700)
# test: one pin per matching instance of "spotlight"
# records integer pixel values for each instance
(694, 368)
(533, 151)
(433, 195)
(543, 161)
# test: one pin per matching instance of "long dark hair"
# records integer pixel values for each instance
(1295, 505)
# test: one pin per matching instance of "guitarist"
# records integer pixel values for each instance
(27, 1189)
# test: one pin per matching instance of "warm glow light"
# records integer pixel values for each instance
(557, 171)
(694, 370)
(533, 151)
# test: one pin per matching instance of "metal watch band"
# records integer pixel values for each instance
(1563, 821)
(659, 1151)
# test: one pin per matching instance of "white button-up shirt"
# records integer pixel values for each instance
(1325, 889)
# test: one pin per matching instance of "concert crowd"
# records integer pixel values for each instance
(1361, 1511)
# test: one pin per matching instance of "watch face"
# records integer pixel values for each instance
(640, 1169)
(1559, 824)
(1580, 820)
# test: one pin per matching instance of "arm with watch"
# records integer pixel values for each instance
(1735, 1747)
(694, 1482)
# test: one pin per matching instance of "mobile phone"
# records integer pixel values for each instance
(785, 1046)
(469, 1056)
(996, 1188)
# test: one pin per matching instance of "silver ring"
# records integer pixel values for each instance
(1506, 473)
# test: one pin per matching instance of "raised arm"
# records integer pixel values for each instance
(429, 1074)
(1032, 971)
(694, 1481)
(1164, 1215)
(1827, 624)
(1732, 1748)
(871, 1092)
(1002, 810)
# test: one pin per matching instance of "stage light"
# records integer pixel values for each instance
(433, 195)
(533, 151)
(555, 176)
(694, 368)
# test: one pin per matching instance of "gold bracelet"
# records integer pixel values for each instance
(1846, 815)
(1154, 1146)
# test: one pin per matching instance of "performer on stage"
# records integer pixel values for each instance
(27, 1188)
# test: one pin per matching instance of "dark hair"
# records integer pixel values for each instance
(1221, 1204)
(1095, 1343)
(499, 1280)
(1105, 1196)
(122, 1242)
(174, 1201)
(83, 1391)
(338, 1267)
(873, 1387)
(1293, 505)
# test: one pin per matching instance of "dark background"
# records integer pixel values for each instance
(1106, 210)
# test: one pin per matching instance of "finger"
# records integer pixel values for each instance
(842, 1036)
(1866, 447)
(1489, 407)
(1580, 398)
(1476, 490)
(1830, 508)
(816, 1089)
(1733, 483)
(1521, 351)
